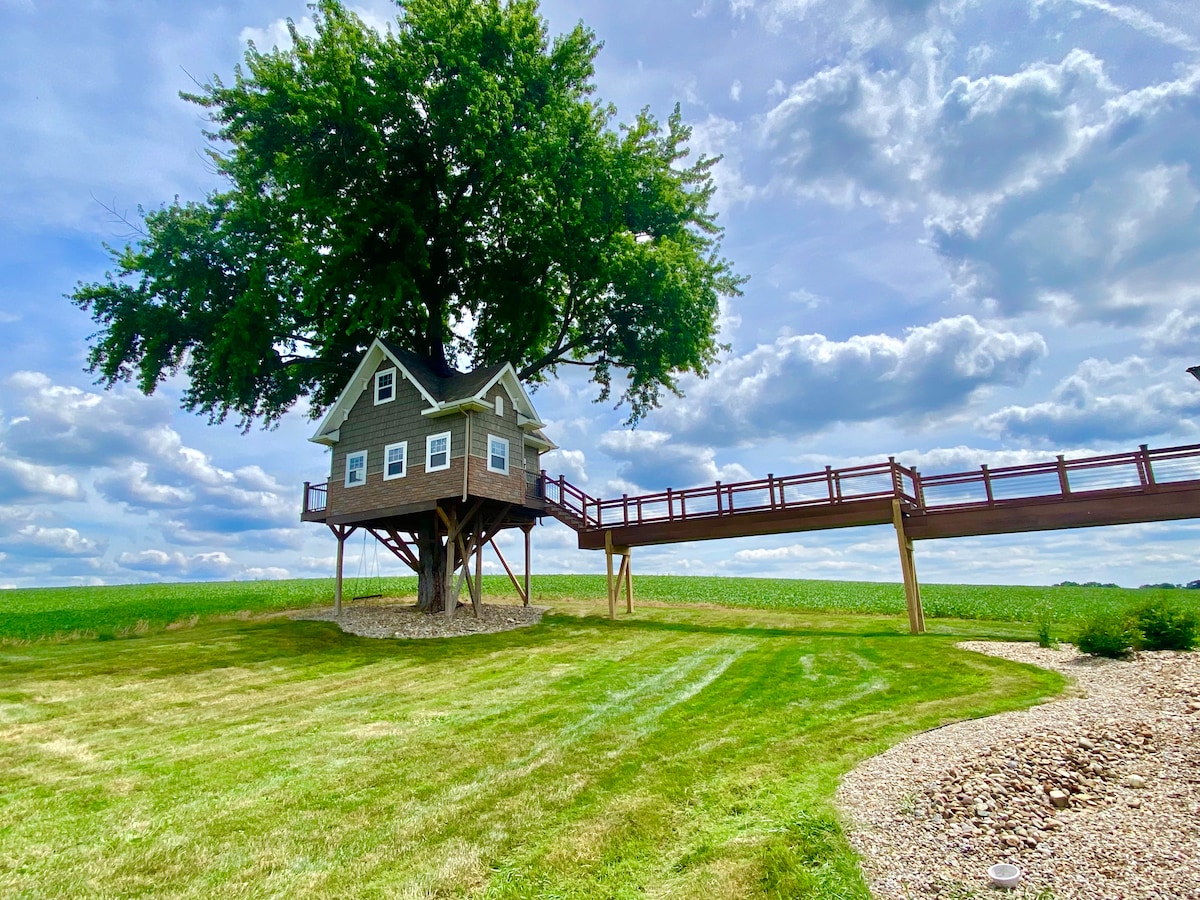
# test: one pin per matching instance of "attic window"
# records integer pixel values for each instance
(437, 452)
(497, 454)
(356, 468)
(385, 386)
(500, 405)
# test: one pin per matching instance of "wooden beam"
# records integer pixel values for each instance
(908, 567)
(628, 581)
(511, 577)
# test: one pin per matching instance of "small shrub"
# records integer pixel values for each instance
(1045, 618)
(1166, 627)
(1110, 636)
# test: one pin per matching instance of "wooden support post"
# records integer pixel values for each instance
(628, 580)
(451, 521)
(987, 484)
(340, 532)
(527, 529)
(1146, 466)
(608, 555)
(477, 592)
(1063, 484)
(908, 567)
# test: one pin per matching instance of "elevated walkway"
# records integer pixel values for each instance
(1143, 486)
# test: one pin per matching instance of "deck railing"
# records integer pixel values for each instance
(316, 497)
(1142, 471)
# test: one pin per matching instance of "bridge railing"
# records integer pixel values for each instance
(831, 486)
(316, 497)
(1140, 471)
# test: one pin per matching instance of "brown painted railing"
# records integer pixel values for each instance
(831, 486)
(316, 497)
(1142, 471)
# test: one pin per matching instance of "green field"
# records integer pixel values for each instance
(186, 741)
(41, 612)
(684, 751)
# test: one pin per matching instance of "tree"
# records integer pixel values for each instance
(451, 185)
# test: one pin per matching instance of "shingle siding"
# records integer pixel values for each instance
(372, 427)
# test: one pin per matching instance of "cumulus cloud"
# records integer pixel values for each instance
(842, 135)
(36, 541)
(803, 383)
(1101, 400)
(654, 460)
(138, 459)
(21, 480)
(571, 463)
(216, 564)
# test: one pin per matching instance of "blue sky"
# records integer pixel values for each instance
(972, 230)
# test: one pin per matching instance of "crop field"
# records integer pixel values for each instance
(687, 750)
(105, 611)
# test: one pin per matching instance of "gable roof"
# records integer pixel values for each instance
(458, 392)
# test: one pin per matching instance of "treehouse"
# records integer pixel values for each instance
(432, 467)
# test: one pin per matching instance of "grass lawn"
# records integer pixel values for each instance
(39, 612)
(685, 751)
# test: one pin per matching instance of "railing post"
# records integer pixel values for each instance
(897, 490)
(718, 498)
(987, 485)
(639, 510)
(829, 481)
(670, 505)
(771, 487)
(1063, 484)
(837, 481)
(625, 508)
(918, 488)
(1146, 465)
(304, 508)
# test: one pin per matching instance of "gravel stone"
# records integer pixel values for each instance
(389, 619)
(1094, 796)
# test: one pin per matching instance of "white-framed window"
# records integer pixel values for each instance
(356, 468)
(385, 386)
(395, 460)
(437, 452)
(497, 454)
(500, 404)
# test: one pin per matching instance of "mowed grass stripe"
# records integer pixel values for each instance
(685, 752)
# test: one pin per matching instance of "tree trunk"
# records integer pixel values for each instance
(431, 580)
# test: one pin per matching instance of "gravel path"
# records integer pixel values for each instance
(394, 620)
(1095, 795)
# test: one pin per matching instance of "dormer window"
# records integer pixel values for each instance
(500, 405)
(356, 468)
(385, 386)
(437, 452)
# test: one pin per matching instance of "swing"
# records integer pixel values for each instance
(360, 577)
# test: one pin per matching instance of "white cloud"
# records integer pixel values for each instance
(804, 383)
(1101, 400)
(21, 480)
(654, 460)
(216, 564)
(40, 542)
(843, 135)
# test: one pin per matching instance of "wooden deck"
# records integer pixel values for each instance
(1143, 486)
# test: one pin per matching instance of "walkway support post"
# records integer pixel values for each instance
(908, 567)
(527, 529)
(624, 575)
